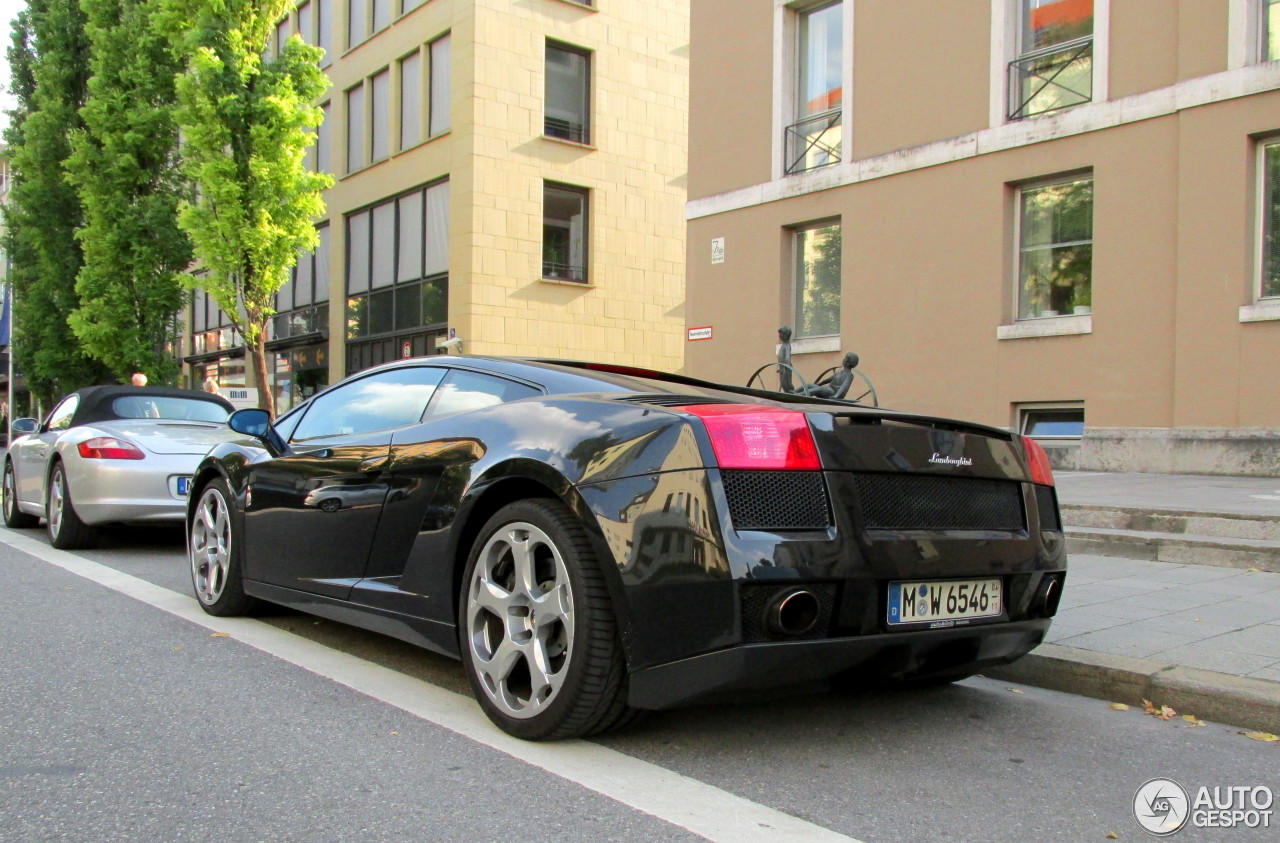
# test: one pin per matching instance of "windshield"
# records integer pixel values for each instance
(168, 407)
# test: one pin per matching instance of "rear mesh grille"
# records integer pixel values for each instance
(914, 502)
(777, 500)
(1047, 504)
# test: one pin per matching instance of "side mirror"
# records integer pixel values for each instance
(251, 422)
(22, 427)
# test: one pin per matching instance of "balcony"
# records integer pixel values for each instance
(1054, 78)
(812, 142)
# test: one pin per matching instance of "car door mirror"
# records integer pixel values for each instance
(22, 427)
(251, 422)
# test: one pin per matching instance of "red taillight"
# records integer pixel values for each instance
(109, 448)
(1041, 472)
(746, 436)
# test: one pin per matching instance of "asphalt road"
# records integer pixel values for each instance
(121, 717)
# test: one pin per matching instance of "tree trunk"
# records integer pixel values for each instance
(266, 397)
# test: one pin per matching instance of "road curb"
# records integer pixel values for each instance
(1209, 695)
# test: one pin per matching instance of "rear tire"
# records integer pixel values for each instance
(14, 517)
(66, 530)
(536, 627)
(216, 566)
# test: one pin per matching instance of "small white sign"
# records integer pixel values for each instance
(240, 397)
(717, 250)
(703, 333)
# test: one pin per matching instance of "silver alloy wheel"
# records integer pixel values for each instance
(57, 501)
(210, 545)
(10, 494)
(519, 618)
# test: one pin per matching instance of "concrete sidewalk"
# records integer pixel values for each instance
(1202, 638)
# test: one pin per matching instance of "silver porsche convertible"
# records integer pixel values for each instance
(110, 454)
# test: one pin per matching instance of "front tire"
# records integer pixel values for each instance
(14, 517)
(537, 631)
(66, 530)
(215, 560)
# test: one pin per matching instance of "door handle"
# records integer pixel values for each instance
(374, 463)
(319, 453)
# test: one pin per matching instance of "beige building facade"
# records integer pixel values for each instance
(1055, 216)
(510, 174)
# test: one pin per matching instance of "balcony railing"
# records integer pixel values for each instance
(812, 142)
(1057, 77)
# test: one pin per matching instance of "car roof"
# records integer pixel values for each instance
(564, 376)
(96, 401)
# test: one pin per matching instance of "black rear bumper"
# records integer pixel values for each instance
(891, 655)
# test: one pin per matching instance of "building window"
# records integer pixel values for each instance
(306, 22)
(1055, 249)
(1051, 421)
(398, 264)
(564, 232)
(568, 102)
(324, 143)
(410, 100)
(814, 139)
(1054, 67)
(1269, 29)
(817, 281)
(302, 304)
(380, 131)
(1270, 284)
(355, 128)
(324, 26)
(439, 118)
(357, 22)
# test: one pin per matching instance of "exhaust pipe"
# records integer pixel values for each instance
(792, 612)
(1047, 596)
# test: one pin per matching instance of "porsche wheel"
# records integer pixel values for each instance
(14, 517)
(536, 626)
(215, 564)
(66, 530)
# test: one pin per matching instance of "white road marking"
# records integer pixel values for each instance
(688, 803)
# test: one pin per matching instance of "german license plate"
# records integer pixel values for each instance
(184, 485)
(943, 603)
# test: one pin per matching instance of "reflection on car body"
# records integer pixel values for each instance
(596, 540)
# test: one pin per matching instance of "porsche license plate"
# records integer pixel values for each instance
(943, 601)
(184, 485)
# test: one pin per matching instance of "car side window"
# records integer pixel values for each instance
(60, 418)
(463, 391)
(285, 424)
(393, 398)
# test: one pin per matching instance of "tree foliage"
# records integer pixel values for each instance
(124, 165)
(246, 123)
(49, 61)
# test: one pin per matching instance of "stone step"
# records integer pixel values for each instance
(1182, 548)
(1225, 525)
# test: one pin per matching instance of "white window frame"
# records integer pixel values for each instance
(1261, 308)
(1004, 49)
(1021, 412)
(1246, 33)
(1042, 326)
(786, 36)
(817, 342)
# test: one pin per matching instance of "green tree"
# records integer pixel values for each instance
(49, 61)
(124, 165)
(246, 123)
